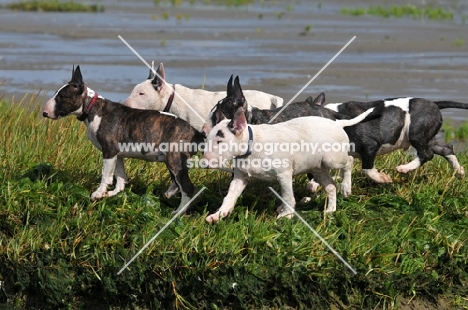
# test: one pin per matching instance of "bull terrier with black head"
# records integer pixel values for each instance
(404, 122)
(227, 137)
(227, 106)
(192, 105)
(111, 125)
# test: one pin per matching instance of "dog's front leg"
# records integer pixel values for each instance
(367, 159)
(236, 188)
(108, 168)
(120, 176)
(286, 209)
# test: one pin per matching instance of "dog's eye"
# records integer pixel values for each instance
(141, 94)
(218, 142)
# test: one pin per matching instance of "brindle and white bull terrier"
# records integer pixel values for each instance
(111, 125)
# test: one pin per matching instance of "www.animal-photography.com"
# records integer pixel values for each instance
(241, 154)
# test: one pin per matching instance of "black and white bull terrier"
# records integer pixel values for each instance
(110, 125)
(227, 107)
(404, 122)
(156, 94)
(229, 138)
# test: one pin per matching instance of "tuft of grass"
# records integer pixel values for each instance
(59, 250)
(452, 133)
(55, 6)
(459, 42)
(306, 30)
(401, 11)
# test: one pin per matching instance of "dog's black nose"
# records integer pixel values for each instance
(45, 114)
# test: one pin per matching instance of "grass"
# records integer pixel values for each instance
(452, 133)
(55, 6)
(407, 240)
(459, 42)
(400, 11)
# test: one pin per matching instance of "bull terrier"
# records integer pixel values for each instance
(227, 106)
(192, 105)
(229, 138)
(110, 125)
(404, 122)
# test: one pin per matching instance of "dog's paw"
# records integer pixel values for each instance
(312, 186)
(384, 178)
(98, 195)
(305, 200)
(403, 169)
(461, 172)
(285, 211)
(376, 176)
(171, 191)
(215, 217)
(284, 214)
(345, 189)
(113, 193)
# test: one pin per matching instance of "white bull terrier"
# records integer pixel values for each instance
(192, 105)
(303, 145)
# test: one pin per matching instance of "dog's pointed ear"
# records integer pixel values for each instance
(77, 78)
(158, 81)
(238, 123)
(229, 90)
(320, 100)
(238, 94)
(151, 71)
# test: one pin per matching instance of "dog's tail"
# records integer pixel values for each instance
(371, 113)
(451, 104)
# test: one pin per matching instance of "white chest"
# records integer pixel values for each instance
(93, 127)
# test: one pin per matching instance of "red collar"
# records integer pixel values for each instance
(169, 101)
(86, 111)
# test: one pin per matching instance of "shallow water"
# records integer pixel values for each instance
(267, 46)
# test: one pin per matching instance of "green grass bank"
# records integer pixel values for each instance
(58, 250)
